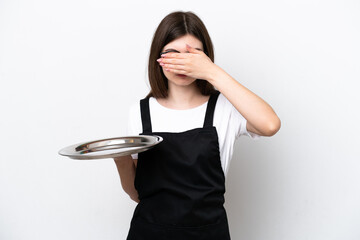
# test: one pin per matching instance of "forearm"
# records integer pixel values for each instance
(127, 169)
(252, 107)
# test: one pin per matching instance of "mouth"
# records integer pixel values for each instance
(181, 75)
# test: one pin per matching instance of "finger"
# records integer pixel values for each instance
(177, 71)
(194, 50)
(173, 55)
(171, 61)
(191, 49)
(173, 66)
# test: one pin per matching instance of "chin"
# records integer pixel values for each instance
(183, 81)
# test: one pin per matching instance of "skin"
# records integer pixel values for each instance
(183, 94)
(126, 167)
(195, 64)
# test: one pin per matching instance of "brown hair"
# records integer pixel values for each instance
(173, 26)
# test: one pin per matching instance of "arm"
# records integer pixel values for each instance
(126, 168)
(261, 118)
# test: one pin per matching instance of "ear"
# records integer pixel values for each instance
(191, 49)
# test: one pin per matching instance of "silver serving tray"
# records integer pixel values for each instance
(111, 147)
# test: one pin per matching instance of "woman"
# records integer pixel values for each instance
(180, 184)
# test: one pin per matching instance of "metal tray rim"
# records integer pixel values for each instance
(147, 142)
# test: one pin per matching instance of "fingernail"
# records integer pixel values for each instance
(159, 60)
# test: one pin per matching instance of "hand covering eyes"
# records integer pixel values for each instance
(173, 50)
(169, 51)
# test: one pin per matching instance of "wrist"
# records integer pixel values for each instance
(215, 74)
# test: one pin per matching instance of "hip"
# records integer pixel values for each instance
(140, 229)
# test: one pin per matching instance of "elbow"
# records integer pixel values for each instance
(273, 127)
(132, 194)
(135, 198)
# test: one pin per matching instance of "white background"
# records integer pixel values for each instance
(70, 68)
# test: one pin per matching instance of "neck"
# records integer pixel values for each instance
(183, 96)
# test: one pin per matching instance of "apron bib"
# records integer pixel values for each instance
(181, 184)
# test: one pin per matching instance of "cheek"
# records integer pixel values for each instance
(167, 73)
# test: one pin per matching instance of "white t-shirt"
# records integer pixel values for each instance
(229, 123)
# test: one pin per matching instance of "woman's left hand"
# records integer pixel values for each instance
(195, 64)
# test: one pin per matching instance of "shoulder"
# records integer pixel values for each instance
(134, 118)
(228, 116)
(223, 113)
(134, 106)
(223, 105)
(226, 106)
(221, 100)
(134, 109)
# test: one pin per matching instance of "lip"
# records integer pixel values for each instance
(181, 75)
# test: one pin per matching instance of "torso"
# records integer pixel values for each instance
(181, 184)
(195, 103)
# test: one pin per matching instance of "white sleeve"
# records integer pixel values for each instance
(132, 128)
(244, 131)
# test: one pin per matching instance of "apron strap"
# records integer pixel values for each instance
(145, 115)
(209, 116)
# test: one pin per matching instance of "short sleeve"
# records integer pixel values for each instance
(132, 128)
(244, 131)
(130, 121)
